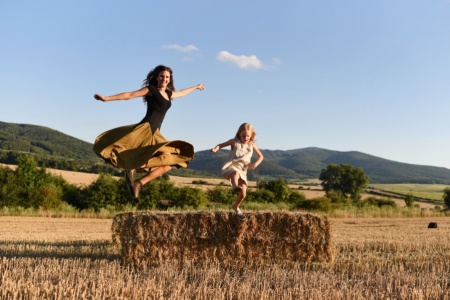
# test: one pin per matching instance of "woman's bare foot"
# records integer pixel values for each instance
(137, 186)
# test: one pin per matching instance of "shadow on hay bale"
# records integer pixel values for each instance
(149, 237)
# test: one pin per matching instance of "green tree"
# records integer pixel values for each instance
(347, 180)
(28, 171)
(31, 186)
(409, 200)
(39, 188)
(11, 190)
(446, 197)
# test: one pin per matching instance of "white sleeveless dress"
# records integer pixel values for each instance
(238, 159)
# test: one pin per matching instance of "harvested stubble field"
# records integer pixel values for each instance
(49, 258)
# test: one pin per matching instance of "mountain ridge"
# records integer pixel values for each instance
(308, 162)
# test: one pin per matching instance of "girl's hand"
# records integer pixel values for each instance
(200, 86)
(251, 166)
(214, 150)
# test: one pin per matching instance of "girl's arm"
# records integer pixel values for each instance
(123, 96)
(186, 91)
(254, 165)
(220, 146)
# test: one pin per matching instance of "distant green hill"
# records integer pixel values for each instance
(50, 147)
(308, 163)
(68, 153)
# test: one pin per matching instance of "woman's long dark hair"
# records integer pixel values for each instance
(152, 77)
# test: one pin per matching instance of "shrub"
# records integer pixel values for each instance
(221, 195)
(316, 204)
(261, 196)
(102, 192)
(379, 202)
(73, 195)
(278, 187)
(47, 197)
(295, 198)
(409, 200)
(155, 191)
(189, 197)
(337, 198)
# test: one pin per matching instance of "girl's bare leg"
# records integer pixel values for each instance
(234, 178)
(240, 197)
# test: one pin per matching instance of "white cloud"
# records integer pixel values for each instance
(188, 48)
(242, 61)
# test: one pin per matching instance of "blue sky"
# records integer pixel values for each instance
(351, 75)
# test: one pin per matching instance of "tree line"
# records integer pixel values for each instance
(12, 157)
(31, 186)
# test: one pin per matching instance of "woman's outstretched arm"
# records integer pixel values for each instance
(123, 96)
(186, 91)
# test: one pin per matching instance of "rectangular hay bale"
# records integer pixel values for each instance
(152, 237)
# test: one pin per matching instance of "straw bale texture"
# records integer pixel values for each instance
(225, 237)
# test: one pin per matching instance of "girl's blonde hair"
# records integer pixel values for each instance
(248, 127)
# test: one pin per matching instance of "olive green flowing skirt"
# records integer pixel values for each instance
(135, 147)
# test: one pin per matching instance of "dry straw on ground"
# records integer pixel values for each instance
(225, 237)
(375, 258)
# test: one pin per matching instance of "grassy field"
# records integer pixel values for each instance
(375, 258)
(425, 191)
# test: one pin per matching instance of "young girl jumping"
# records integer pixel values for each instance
(239, 161)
